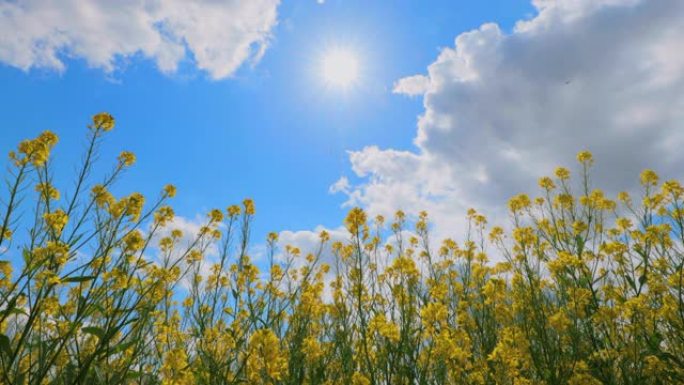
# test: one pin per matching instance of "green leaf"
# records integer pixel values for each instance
(630, 281)
(5, 345)
(94, 330)
(130, 321)
(81, 278)
(134, 374)
(123, 346)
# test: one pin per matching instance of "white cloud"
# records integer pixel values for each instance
(412, 85)
(342, 185)
(219, 35)
(503, 109)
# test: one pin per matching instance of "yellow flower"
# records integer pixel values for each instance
(134, 206)
(565, 200)
(496, 234)
(623, 196)
(494, 290)
(50, 306)
(524, 236)
(172, 371)
(559, 321)
(585, 157)
(434, 316)
(194, 256)
(360, 379)
(249, 206)
(311, 349)
(47, 191)
(654, 365)
(58, 250)
(266, 357)
(56, 221)
(126, 158)
(581, 375)
(36, 151)
(648, 178)
(562, 173)
(166, 244)
(164, 215)
(547, 183)
(519, 202)
(215, 216)
(6, 274)
(673, 188)
(385, 328)
(133, 241)
(101, 196)
(103, 121)
(234, 210)
(355, 219)
(48, 138)
(623, 224)
(578, 227)
(170, 190)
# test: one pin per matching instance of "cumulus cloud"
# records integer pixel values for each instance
(503, 109)
(218, 35)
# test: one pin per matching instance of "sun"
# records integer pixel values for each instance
(340, 68)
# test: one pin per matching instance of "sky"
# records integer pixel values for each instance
(456, 104)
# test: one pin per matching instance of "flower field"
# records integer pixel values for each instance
(579, 288)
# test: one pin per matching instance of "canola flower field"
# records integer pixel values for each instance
(98, 289)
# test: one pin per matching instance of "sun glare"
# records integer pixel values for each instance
(340, 68)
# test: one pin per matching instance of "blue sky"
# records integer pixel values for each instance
(273, 131)
(457, 104)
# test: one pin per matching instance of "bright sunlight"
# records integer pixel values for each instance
(340, 67)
